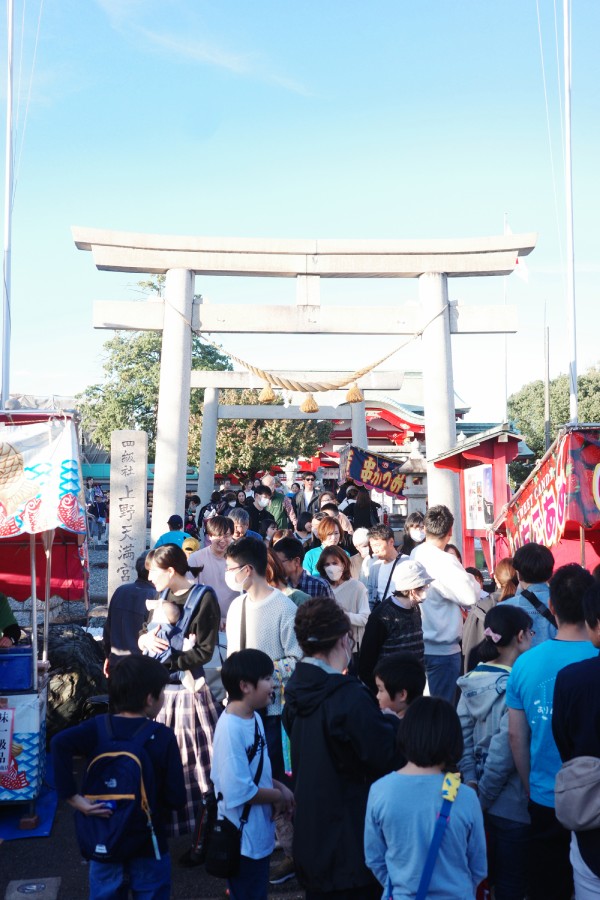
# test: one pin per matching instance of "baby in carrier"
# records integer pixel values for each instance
(165, 620)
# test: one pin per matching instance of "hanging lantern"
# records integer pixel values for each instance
(309, 404)
(354, 394)
(267, 395)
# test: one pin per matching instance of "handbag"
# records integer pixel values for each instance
(577, 793)
(224, 850)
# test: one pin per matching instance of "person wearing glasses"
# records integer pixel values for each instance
(208, 565)
(340, 743)
(307, 500)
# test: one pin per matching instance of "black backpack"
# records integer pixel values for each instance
(122, 775)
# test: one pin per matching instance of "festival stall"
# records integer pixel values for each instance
(42, 541)
(481, 463)
(559, 503)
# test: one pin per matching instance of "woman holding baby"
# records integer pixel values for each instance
(181, 631)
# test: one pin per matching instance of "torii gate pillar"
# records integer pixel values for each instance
(208, 443)
(172, 421)
(438, 390)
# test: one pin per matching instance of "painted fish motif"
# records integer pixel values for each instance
(71, 514)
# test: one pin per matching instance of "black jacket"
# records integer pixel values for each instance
(340, 743)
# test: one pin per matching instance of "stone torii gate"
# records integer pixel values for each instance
(181, 258)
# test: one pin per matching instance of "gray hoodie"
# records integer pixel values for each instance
(487, 758)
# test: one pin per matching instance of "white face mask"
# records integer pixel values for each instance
(334, 572)
(232, 503)
(416, 534)
(263, 502)
(232, 583)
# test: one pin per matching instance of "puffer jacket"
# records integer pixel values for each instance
(487, 758)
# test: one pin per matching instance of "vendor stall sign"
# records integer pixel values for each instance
(479, 497)
(40, 478)
(564, 491)
(23, 727)
(372, 471)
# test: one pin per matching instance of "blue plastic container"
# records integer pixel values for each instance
(16, 668)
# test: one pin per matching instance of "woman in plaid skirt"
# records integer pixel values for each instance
(189, 708)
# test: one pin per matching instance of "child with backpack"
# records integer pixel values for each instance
(133, 779)
(399, 679)
(246, 793)
(487, 763)
(424, 832)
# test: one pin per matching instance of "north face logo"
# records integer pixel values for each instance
(111, 783)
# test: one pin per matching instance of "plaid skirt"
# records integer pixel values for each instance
(193, 717)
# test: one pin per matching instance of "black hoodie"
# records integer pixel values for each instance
(341, 742)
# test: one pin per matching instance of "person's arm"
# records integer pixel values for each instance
(519, 736)
(455, 583)
(77, 741)
(499, 766)
(205, 627)
(476, 846)
(370, 648)
(467, 767)
(363, 610)
(375, 844)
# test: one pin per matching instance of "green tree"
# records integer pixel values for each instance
(526, 410)
(250, 445)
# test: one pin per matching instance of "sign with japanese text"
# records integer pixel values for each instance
(479, 497)
(7, 721)
(128, 505)
(564, 491)
(372, 471)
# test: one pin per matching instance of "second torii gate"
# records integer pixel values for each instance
(181, 258)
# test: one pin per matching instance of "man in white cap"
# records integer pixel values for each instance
(395, 624)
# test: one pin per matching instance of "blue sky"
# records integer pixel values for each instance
(317, 119)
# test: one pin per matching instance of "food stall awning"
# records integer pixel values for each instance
(41, 491)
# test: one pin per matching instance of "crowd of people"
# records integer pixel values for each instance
(359, 673)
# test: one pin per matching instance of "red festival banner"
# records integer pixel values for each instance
(563, 492)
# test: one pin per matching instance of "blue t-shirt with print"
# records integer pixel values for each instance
(531, 688)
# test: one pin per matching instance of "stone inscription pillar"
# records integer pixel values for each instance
(128, 505)
(172, 421)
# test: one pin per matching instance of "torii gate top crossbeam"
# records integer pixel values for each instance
(156, 254)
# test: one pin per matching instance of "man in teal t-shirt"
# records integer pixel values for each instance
(529, 697)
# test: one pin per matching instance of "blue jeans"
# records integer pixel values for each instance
(442, 672)
(252, 881)
(147, 879)
(507, 851)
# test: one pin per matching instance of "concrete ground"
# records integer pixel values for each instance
(52, 869)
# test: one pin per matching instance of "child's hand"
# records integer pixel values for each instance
(287, 803)
(89, 807)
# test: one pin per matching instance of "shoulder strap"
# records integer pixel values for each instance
(449, 791)
(540, 607)
(243, 624)
(389, 581)
(193, 601)
(257, 742)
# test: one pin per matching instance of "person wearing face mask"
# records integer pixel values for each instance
(340, 743)
(395, 624)
(208, 565)
(414, 533)
(329, 532)
(257, 507)
(352, 596)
